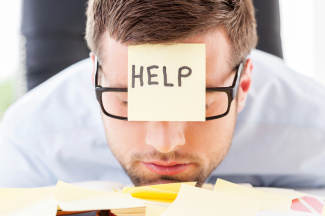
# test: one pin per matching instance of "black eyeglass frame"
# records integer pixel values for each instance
(231, 92)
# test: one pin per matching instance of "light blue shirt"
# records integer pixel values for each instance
(55, 132)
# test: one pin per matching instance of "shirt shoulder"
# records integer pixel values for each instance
(51, 105)
(281, 130)
(55, 132)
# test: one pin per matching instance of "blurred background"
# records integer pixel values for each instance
(41, 37)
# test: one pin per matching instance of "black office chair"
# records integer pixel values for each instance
(268, 26)
(54, 31)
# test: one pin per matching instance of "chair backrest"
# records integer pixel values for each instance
(54, 32)
(268, 26)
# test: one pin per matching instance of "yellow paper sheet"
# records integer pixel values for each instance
(290, 193)
(73, 198)
(192, 201)
(173, 82)
(27, 201)
(166, 192)
(269, 201)
(155, 210)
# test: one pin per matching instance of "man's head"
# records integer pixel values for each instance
(158, 152)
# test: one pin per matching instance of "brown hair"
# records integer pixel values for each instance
(162, 21)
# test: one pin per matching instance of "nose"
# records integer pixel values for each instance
(165, 136)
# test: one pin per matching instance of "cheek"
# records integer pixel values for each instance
(212, 138)
(123, 136)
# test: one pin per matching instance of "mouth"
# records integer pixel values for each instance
(163, 168)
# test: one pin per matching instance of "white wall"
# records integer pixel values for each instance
(303, 33)
(10, 15)
(319, 21)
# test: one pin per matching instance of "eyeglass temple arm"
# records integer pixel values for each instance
(235, 84)
(96, 72)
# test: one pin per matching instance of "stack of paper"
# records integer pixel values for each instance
(73, 198)
(36, 201)
(226, 199)
(156, 198)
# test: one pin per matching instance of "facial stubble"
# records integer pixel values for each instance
(130, 165)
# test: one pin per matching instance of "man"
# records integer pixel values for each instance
(54, 132)
(161, 151)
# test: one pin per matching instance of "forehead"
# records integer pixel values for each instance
(114, 58)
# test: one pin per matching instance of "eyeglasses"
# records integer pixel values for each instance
(114, 101)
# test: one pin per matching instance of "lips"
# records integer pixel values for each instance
(161, 168)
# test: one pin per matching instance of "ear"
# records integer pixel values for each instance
(244, 85)
(92, 57)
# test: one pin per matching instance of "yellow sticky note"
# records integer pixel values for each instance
(166, 82)
(197, 201)
(166, 192)
(269, 201)
(73, 198)
(27, 201)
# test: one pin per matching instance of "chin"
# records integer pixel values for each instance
(164, 179)
(159, 181)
